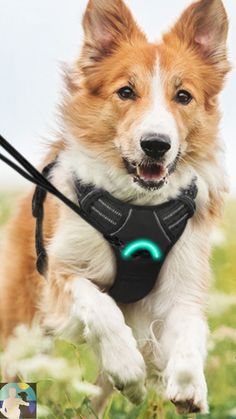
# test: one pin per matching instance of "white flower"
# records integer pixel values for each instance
(26, 341)
(29, 355)
(220, 302)
(224, 332)
(86, 388)
(218, 237)
(43, 411)
(41, 367)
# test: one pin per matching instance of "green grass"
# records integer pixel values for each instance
(7, 203)
(63, 401)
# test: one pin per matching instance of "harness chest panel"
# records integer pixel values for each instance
(141, 236)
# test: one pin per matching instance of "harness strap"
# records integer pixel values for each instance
(38, 212)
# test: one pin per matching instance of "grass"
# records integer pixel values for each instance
(59, 400)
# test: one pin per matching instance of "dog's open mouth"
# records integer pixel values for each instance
(150, 175)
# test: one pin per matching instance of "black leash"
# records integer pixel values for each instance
(29, 172)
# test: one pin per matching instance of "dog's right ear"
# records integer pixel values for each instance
(106, 24)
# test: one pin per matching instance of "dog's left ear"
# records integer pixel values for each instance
(106, 24)
(204, 25)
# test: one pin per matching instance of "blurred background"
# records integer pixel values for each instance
(36, 38)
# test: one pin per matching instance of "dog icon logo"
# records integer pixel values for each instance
(18, 400)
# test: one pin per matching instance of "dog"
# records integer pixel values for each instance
(132, 110)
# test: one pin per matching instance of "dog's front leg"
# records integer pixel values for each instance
(105, 330)
(184, 344)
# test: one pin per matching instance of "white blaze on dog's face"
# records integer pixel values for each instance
(153, 139)
(146, 108)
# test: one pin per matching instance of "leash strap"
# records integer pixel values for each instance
(29, 172)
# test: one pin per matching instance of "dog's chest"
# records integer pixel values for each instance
(83, 249)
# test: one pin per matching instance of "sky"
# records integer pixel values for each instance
(37, 37)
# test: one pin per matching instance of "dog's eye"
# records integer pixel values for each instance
(183, 97)
(126, 93)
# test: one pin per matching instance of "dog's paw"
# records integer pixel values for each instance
(134, 391)
(125, 367)
(186, 386)
(128, 375)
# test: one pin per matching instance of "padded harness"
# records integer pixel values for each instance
(140, 236)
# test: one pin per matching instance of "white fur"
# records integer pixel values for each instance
(158, 119)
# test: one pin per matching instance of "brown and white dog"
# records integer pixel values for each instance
(120, 90)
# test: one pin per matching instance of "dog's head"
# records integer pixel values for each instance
(147, 108)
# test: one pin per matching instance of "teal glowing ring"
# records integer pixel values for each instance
(141, 244)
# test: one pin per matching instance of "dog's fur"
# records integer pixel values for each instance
(165, 333)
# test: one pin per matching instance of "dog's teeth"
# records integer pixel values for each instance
(138, 171)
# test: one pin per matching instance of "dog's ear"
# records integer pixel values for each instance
(106, 23)
(204, 25)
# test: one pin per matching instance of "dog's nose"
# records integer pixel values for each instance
(155, 145)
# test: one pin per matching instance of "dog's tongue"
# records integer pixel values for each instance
(153, 172)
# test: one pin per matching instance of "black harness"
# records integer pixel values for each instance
(140, 236)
